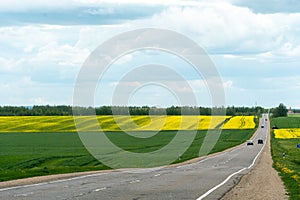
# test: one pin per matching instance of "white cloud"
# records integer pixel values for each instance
(61, 54)
(16, 5)
(6, 64)
(228, 28)
(38, 101)
(235, 32)
(152, 2)
(228, 84)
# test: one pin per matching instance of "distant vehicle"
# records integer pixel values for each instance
(275, 127)
(260, 141)
(262, 126)
(266, 119)
(250, 142)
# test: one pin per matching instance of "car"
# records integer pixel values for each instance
(266, 119)
(260, 141)
(275, 127)
(262, 126)
(250, 142)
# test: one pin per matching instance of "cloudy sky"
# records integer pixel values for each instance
(255, 46)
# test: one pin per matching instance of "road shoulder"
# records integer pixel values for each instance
(262, 182)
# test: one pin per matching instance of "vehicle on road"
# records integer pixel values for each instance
(260, 141)
(250, 142)
(275, 127)
(262, 126)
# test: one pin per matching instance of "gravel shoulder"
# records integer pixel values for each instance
(262, 182)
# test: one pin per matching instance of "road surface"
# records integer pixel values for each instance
(209, 178)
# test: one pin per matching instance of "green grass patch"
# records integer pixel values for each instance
(286, 122)
(288, 166)
(294, 115)
(35, 154)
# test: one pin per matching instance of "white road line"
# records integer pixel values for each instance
(100, 189)
(196, 163)
(157, 175)
(230, 176)
(51, 182)
(24, 195)
(135, 181)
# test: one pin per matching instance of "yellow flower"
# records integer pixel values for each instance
(296, 177)
(287, 170)
(287, 133)
(240, 122)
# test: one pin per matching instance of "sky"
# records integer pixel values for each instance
(254, 45)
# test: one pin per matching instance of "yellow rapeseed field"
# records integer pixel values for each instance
(240, 122)
(108, 123)
(287, 133)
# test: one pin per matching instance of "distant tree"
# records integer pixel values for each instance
(280, 111)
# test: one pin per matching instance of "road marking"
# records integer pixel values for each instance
(24, 195)
(135, 181)
(200, 161)
(51, 182)
(100, 189)
(157, 175)
(230, 176)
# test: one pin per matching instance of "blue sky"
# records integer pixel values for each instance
(255, 46)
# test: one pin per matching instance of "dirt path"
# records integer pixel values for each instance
(261, 183)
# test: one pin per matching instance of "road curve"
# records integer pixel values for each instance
(210, 178)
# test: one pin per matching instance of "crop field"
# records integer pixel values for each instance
(240, 122)
(287, 133)
(282, 142)
(122, 123)
(34, 146)
(34, 154)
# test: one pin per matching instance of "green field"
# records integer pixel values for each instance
(286, 122)
(288, 166)
(294, 115)
(34, 154)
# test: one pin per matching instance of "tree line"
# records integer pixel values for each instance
(65, 110)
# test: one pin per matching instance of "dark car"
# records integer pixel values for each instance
(260, 141)
(262, 126)
(275, 127)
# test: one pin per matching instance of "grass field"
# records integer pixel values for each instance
(288, 166)
(286, 122)
(33, 146)
(294, 115)
(34, 154)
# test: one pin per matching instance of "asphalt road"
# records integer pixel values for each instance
(210, 178)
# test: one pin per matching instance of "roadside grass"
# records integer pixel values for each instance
(35, 154)
(288, 166)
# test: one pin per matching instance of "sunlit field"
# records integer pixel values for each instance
(35, 154)
(240, 122)
(287, 133)
(122, 123)
(42, 145)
